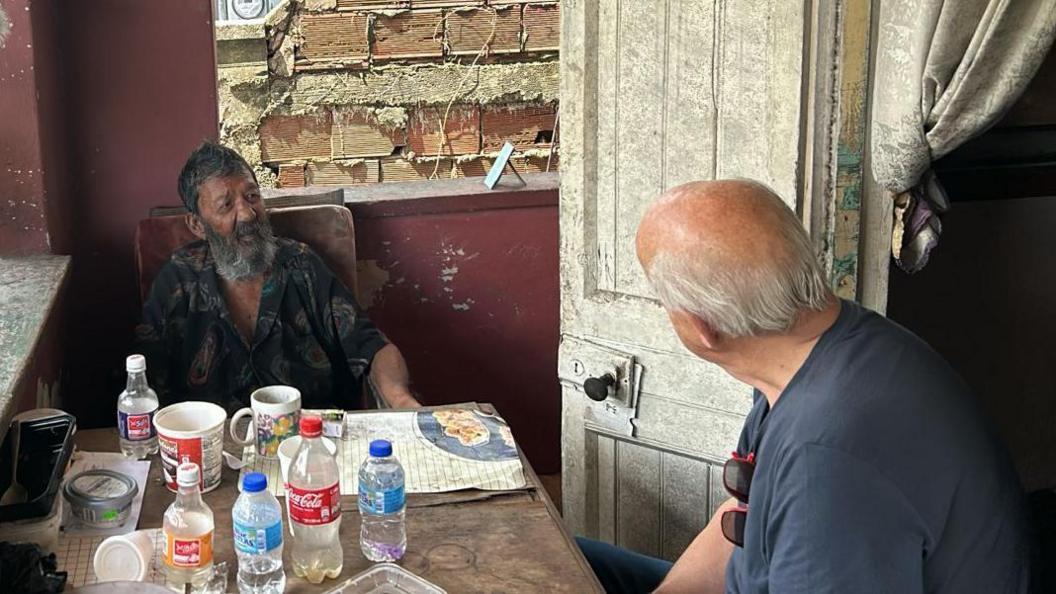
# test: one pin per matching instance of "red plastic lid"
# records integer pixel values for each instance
(311, 426)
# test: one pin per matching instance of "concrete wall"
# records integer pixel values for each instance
(340, 92)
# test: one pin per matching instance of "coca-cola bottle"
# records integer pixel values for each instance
(314, 499)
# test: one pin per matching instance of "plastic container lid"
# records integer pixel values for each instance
(311, 426)
(136, 363)
(187, 474)
(380, 448)
(387, 578)
(120, 558)
(254, 482)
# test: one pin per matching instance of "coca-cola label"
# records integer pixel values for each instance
(189, 552)
(314, 506)
(136, 427)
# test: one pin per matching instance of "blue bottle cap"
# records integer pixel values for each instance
(254, 482)
(380, 448)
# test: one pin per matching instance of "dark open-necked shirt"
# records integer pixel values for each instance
(310, 333)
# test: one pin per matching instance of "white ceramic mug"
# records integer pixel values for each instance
(191, 432)
(276, 412)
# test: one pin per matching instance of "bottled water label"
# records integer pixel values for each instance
(136, 427)
(314, 506)
(380, 502)
(257, 540)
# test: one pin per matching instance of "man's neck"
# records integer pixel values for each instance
(768, 363)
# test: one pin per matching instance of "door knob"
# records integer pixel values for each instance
(597, 388)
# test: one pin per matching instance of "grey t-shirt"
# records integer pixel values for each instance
(876, 473)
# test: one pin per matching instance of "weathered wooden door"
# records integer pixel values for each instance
(655, 93)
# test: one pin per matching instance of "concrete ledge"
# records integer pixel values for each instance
(29, 288)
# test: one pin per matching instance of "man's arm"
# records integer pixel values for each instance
(389, 376)
(702, 567)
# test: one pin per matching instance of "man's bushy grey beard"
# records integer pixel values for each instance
(235, 261)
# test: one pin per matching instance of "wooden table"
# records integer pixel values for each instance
(465, 542)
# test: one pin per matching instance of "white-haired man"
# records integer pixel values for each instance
(863, 465)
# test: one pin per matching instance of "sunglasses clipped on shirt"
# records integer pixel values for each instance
(737, 478)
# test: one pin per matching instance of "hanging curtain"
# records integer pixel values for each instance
(945, 72)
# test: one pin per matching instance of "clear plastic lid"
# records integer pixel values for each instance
(387, 578)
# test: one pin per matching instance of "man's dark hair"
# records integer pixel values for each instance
(206, 162)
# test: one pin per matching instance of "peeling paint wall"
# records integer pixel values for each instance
(390, 91)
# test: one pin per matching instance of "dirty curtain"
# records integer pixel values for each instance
(945, 72)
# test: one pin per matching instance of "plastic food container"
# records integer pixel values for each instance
(43, 531)
(126, 557)
(100, 498)
(387, 578)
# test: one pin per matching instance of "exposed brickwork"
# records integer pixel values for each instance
(524, 126)
(470, 30)
(355, 90)
(411, 34)
(343, 174)
(461, 133)
(341, 36)
(358, 133)
(288, 138)
(542, 27)
(291, 175)
(399, 169)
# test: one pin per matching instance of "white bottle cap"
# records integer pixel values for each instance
(135, 363)
(126, 557)
(187, 474)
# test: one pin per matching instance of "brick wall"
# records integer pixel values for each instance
(335, 92)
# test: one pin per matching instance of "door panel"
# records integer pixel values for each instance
(656, 93)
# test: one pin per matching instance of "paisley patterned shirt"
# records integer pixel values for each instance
(310, 334)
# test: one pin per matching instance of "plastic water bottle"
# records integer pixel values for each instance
(257, 521)
(188, 528)
(314, 501)
(383, 532)
(135, 412)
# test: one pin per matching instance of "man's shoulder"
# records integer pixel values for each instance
(188, 258)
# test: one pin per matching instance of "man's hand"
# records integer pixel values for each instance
(702, 567)
(389, 375)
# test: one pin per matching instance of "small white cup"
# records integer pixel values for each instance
(274, 414)
(125, 557)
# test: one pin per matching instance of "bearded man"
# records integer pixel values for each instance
(241, 308)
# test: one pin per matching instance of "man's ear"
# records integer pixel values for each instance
(704, 332)
(194, 223)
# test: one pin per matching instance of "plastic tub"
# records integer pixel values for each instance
(100, 498)
(43, 531)
(387, 578)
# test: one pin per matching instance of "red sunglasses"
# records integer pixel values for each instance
(737, 478)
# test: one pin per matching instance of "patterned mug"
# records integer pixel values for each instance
(275, 412)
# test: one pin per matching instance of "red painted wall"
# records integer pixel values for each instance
(467, 287)
(141, 93)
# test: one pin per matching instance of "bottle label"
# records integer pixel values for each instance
(136, 427)
(380, 502)
(258, 540)
(314, 506)
(189, 552)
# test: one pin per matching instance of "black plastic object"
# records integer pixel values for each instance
(46, 445)
(597, 388)
(25, 568)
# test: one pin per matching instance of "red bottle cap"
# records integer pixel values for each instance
(311, 426)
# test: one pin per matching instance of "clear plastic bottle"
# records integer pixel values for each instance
(135, 412)
(188, 528)
(257, 521)
(383, 532)
(314, 501)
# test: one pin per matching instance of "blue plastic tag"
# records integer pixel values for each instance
(380, 502)
(257, 540)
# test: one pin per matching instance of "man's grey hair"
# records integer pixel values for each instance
(738, 299)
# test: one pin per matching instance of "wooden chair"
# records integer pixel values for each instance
(328, 229)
